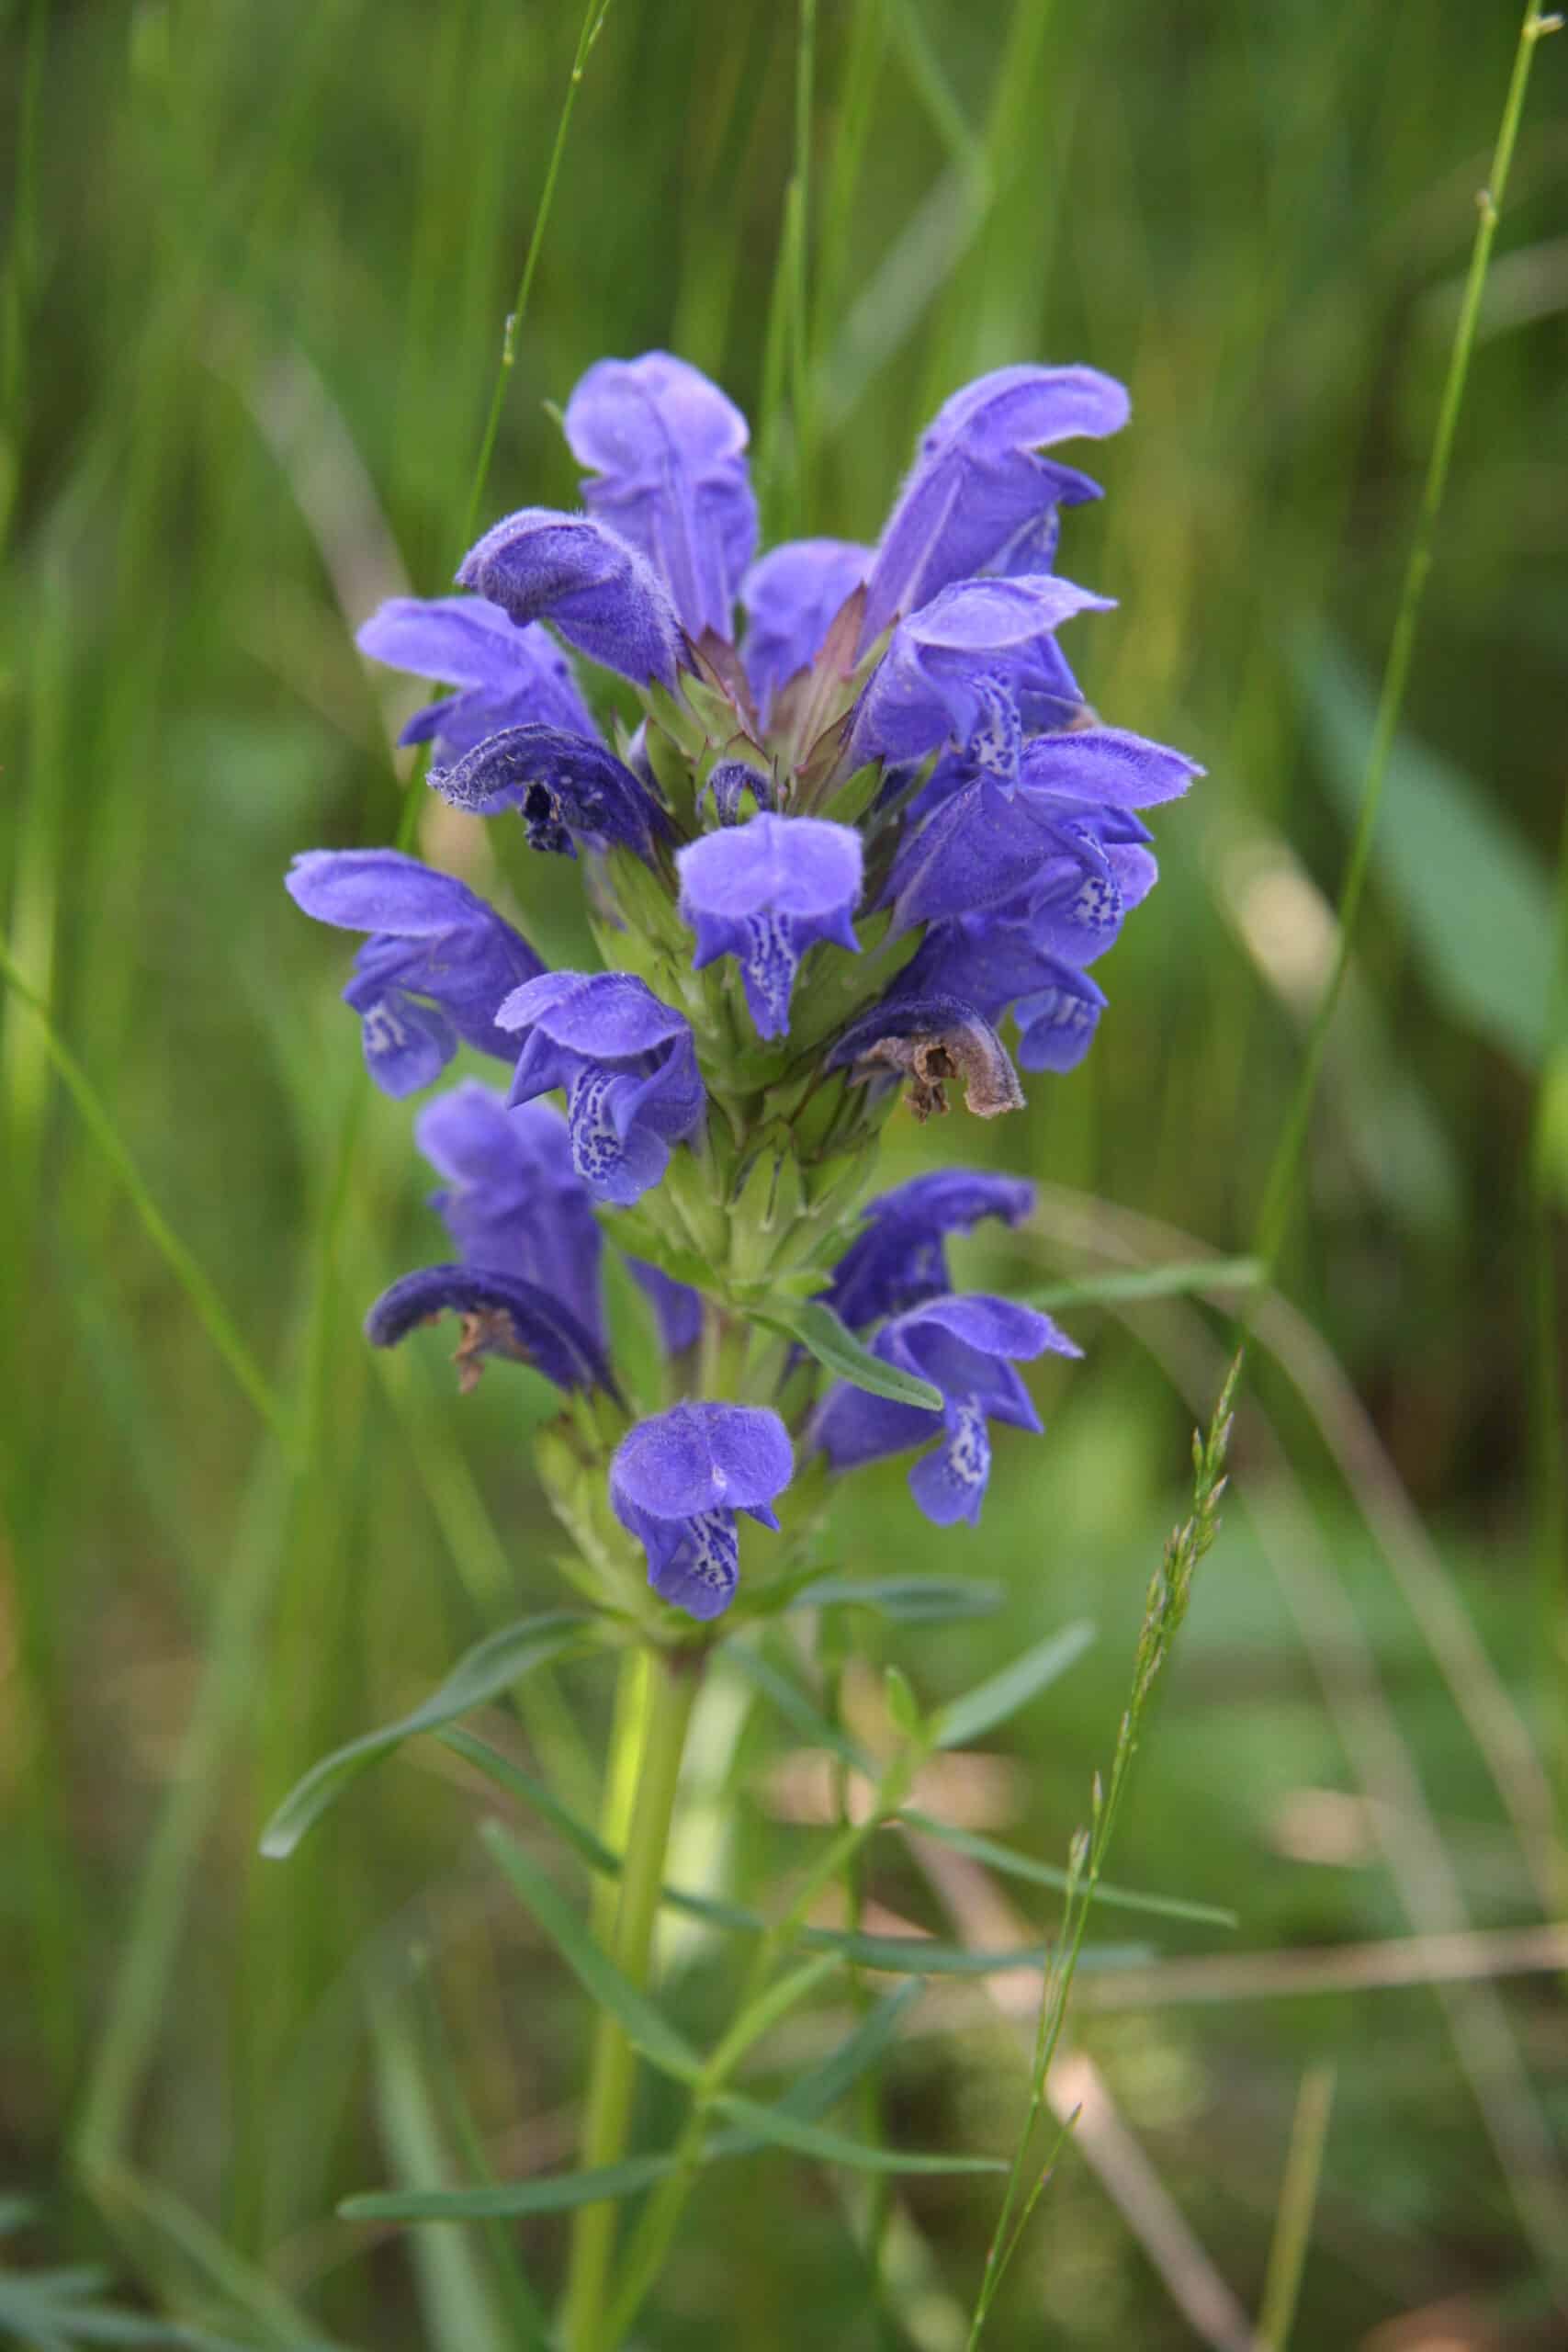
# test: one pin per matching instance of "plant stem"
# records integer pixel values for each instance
(671, 1689)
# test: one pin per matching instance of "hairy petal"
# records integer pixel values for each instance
(507, 676)
(791, 596)
(513, 1201)
(703, 1456)
(978, 492)
(541, 565)
(926, 690)
(565, 787)
(669, 450)
(899, 1259)
(764, 892)
(503, 1316)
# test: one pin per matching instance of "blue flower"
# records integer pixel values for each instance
(1037, 822)
(763, 892)
(506, 676)
(997, 964)
(978, 499)
(677, 1308)
(501, 1316)
(728, 783)
(565, 789)
(669, 453)
(437, 964)
(792, 596)
(900, 1257)
(599, 591)
(628, 1067)
(676, 1482)
(945, 664)
(966, 1347)
(513, 1202)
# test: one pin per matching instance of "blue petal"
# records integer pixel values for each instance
(766, 891)
(407, 1044)
(1107, 765)
(514, 1203)
(701, 1457)
(701, 1573)
(977, 494)
(948, 1484)
(677, 1308)
(565, 787)
(539, 564)
(899, 1259)
(792, 596)
(926, 690)
(505, 1317)
(509, 676)
(669, 450)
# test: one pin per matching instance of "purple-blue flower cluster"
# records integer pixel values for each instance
(862, 823)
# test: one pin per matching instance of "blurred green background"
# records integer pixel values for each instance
(256, 266)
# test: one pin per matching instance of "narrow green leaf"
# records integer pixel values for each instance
(457, 2294)
(813, 2094)
(907, 1601)
(819, 1332)
(826, 2084)
(484, 1673)
(644, 2028)
(550, 2193)
(1178, 1279)
(780, 2128)
(1013, 1864)
(928, 1956)
(709, 1908)
(992, 1701)
(795, 1705)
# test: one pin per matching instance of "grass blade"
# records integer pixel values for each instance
(641, 2023)
(1011, 1864)
(907, 1601)
(487, 1669)
(780, 2128)
(992, 1701)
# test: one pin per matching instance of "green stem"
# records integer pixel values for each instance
(1279, 1192)
(671, 1689)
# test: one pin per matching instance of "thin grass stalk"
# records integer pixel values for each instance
(1298, 2202)
(1548, 1194)
(1168, 1594)
(593, 24)
(1274, 1216)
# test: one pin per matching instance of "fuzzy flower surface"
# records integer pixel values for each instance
(433, 972)
(624, 1062)
(849, 839)
(764, 892)
(677, 1483)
